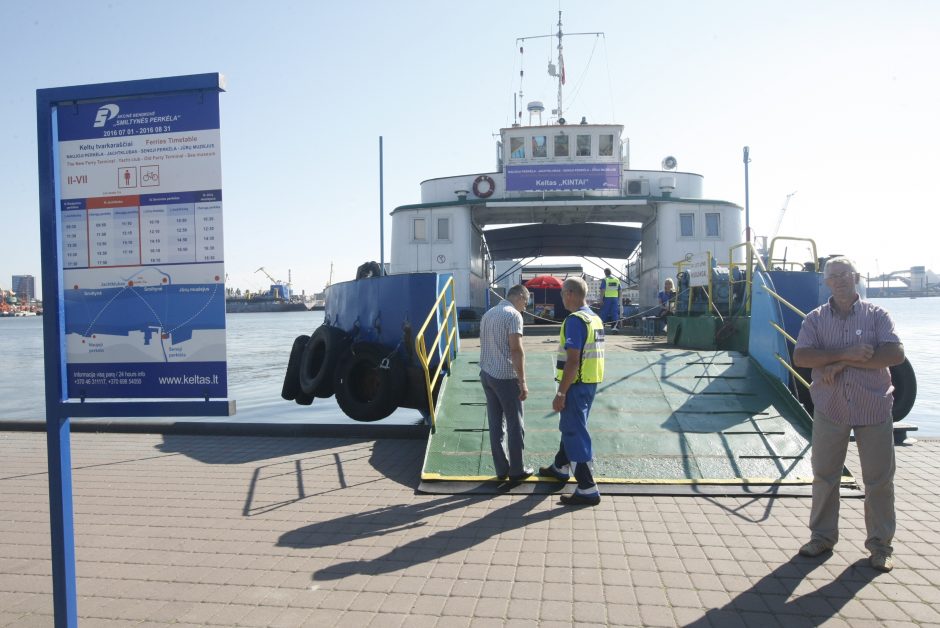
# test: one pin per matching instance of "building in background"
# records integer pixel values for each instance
(24, 287)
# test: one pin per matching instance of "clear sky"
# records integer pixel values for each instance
(839, 101)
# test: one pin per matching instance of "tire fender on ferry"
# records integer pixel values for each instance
(905, 389)
(368, 269)
(370, 381)
(318, 360)
(481, 191)
(291, 390)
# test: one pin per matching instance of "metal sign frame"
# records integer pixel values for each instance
(59, 408)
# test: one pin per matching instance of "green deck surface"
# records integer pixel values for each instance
(660, 417)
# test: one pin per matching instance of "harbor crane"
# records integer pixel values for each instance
(273, 280)
(783, 210)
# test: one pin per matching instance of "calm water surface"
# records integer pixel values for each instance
(259, 344)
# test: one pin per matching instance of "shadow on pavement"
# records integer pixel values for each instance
(397, 459)
(772, 593)
(396, 519)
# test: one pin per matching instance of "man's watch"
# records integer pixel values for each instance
(560, 394)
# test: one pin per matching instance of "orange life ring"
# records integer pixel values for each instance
(490, 186)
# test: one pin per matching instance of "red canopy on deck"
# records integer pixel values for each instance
(544, 282)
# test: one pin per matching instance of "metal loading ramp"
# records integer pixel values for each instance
(671, 421)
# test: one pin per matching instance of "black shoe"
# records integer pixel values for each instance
(550, 472)
(526, 473)
(577, 499)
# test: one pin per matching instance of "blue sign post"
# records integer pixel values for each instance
(130, 204)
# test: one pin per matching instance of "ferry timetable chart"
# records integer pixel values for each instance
(141, 230)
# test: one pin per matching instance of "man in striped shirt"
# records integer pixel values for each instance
(502, 373)
(850, 343)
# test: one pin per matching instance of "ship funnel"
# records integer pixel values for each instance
(535, 109)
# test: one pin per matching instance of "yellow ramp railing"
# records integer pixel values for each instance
(446, 351)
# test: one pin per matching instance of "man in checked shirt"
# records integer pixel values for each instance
(850, 343)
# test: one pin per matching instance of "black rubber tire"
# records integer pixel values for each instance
(905, 389)
(369, 269)
(319, 359)
(364, 390)
(291, 390)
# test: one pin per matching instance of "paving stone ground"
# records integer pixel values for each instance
(263, 531)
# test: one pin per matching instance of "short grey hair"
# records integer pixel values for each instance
(839, 259)
(576, 285)
(518, 291)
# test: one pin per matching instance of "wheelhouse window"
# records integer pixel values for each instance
(584, 146)
(686, 225)
(517, 148)
(539, 146)
(443, 228)
(419, 231)
(605, 145)
(712, 225)
(561, 146)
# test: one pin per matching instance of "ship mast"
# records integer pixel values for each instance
(557, 71)
(561, 70)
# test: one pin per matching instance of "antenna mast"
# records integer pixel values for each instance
(556, 71)
(561, 69)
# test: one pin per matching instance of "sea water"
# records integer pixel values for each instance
(258, 346)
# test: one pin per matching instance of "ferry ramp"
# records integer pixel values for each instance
(665, 421)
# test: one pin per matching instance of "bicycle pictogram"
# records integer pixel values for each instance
(149, 176)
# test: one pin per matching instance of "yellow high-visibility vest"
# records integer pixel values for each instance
(611, 286)
(591, 369)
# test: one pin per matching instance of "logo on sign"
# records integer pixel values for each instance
(105, 113)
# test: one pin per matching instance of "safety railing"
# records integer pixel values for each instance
(782, 263)
(752, 258)
(791, 339)
(680, 266)
(447, 329)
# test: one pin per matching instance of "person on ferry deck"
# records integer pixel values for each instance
(578, 371)
(667, 301)
(502, 373)
(850, 345)
(610, 307)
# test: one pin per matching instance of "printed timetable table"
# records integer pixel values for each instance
(139, 230)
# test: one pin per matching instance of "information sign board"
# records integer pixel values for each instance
(140, 201)
(563, 176)
(698, 265)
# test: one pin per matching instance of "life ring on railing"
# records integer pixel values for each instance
(905, 389)
(369, 269)
(490, 186)
(291, 390)
(370, 381)
(318, 360)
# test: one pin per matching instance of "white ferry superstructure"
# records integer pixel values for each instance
(561, 190)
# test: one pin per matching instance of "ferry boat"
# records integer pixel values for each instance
(669, 412)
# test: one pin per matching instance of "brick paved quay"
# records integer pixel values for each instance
(263, 531)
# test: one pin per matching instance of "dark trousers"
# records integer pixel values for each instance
(507, 429)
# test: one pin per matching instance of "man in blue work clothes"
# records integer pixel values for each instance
(579, 369)
(610, 307)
